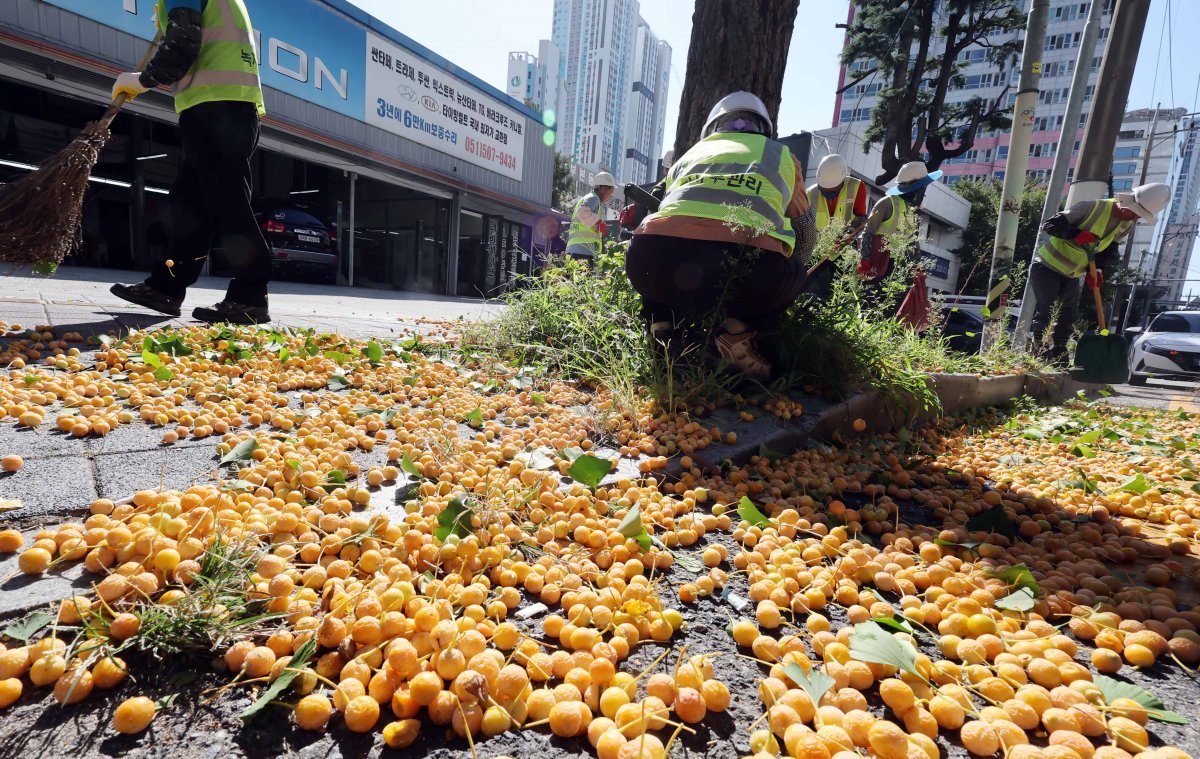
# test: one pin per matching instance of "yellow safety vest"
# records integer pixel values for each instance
(1071, 259)
(843, 208)
(891, 226)
(227, 67)
(583, 239)
(744, 180)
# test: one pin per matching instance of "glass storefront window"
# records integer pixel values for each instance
(400, 242)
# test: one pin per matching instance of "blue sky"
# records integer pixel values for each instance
(479, 34)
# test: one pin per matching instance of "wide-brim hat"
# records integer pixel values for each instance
(912, 177)
(1128, 201)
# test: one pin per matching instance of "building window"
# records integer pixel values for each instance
(1122, 184)
(1128, 152)
(1124, 168)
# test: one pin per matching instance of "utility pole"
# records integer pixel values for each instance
(1025, 109)
(1145, 171)
(1066, 146)
(1108, 111)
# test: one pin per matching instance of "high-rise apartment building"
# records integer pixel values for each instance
(1183, 220)
(610, 66)
(989, 155)
(646, 115)
(534, 79)
(1129, 156)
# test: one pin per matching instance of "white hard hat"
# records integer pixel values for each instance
(913, 176)
(1147, 201)
(831, 172)
(604, 179)
(744, 102)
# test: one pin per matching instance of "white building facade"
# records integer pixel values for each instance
(613, 73)
(646, 116)
(533, 79)
(1130, 155)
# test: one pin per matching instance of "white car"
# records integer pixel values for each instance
(1168, 349)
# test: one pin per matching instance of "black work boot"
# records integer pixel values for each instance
(143, 294)
(228, 312)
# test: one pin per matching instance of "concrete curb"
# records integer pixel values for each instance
(956, 392)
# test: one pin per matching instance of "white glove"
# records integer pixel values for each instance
(129, 84)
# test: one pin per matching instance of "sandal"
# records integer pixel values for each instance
(740, 352)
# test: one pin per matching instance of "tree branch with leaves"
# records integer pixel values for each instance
(912, 115)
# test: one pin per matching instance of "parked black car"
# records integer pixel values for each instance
(301, 244)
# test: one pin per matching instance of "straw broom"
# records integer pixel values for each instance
(41, 213)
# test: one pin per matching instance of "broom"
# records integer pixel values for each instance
(41, 213)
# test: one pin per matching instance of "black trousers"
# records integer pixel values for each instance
(681, 280)
(1049, 287)
(210, 204)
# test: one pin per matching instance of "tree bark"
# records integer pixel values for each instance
(736, 45)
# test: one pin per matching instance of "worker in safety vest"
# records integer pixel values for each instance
(585, 239)
(208, 58)
(884, 222)
(722, 238)
(1082, 233)
(840, 199)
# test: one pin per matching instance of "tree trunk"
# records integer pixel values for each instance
(736, 45)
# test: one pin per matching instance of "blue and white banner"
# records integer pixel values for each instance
(312, 51)
(306, 48)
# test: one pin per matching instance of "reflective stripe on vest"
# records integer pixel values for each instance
(744, 180)
(582, 239)
(227, 67)
(843, 208)
(1070, 259)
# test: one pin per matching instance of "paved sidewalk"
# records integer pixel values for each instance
(1161, 394)
(77, 300)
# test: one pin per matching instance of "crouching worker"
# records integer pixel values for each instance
(720, 244)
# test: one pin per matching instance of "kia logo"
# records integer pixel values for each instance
(430, 104)
(407, 93)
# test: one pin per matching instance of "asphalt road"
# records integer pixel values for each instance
(1160, 394)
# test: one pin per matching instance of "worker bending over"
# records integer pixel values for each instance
(884, 221)
(721, 242)
(208, 55)
(1084, 232)
(585, 240)
(836, 198)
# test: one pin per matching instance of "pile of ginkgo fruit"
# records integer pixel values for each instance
(991, 616)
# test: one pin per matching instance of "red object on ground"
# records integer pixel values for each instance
(915, 311)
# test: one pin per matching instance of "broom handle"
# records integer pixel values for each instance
(1096, 294)
(107, 119)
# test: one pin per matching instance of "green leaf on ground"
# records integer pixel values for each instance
(284, 355)
(455, 519)
(410, 468)
(163, 374)
(538, 399)
(1019, 600)
(633, 527)
(572, 453)
(892, 623)
(1083, 451)
(1114, 689)
(294, 669)
(241, 452)
(1017, 576)
(871, 643)
(815, 683)
(749, 512)
(1088, 438)
(337, 356)
(337, 381)
(373, 352)
(294, 464)
(410, 381)
(970, 545)
(1013, 459)
(1088, 485)
(589, 470)
(995, 520)
(45, 268)
(24, 629)
(475, 418)
(1136, 484)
